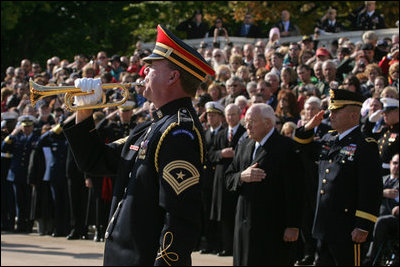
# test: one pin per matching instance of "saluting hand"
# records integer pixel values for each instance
(253, 174)
(315, 121)
(359, 236)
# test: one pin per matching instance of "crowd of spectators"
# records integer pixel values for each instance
(287, 76)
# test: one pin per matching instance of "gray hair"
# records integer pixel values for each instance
(313, 100)
(232, 106)
(266, 111)
(235, 78)
(250, 85)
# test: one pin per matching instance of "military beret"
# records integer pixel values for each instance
(339, 98)
(170, 47)
(26, 120)
(214, 106)
(389, 104)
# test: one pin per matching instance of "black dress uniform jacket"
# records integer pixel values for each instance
(266, 208)
(350, 185)
(388, 146)
(156, 219)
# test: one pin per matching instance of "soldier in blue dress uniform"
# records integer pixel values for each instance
(20, 144)
(156, 206)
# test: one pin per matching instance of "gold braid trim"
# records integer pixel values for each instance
(160, 142)
(200, 142)
(162, 253)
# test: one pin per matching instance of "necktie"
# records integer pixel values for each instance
(230, 136)
(256, 150)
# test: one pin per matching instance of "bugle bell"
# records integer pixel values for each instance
(39, 91)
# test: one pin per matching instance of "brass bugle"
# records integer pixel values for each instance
(39, 91)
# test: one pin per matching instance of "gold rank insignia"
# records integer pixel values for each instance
(181, 175)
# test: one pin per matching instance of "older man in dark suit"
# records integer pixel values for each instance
(266, 175)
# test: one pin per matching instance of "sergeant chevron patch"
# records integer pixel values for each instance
(181, 175)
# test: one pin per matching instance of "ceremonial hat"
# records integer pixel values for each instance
(128, 105)
(9, 115)
(306, 38)
(170, 47)
(389, 104)
(214, 106)
(341, 98)
(26, 120)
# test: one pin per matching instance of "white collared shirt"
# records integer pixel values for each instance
(343, 135)
(234, 130)
(215, 131)
(286, 25)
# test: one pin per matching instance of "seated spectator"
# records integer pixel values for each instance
(264, 89)
(305, 55)
(287, 27)
(248, 54)
(259, 47)
(194, 27)
(260, 74)
(304, 73)
(218, 58)
(277, 63)
(237, 50)
(371, 71)
(388, 60)
(390, 92)
(134, 64)
(235, 87)
(5, 93)
(116, 68)
(352, 84)
(318, 71)
(258, 62)
(273, 80)
(248, 28)
(242, 102)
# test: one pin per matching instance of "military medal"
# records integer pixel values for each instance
(143, 149)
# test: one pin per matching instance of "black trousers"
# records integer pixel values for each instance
(23, 193)
(345, 253)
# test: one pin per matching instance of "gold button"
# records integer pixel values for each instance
(346, 210)
(324, 181)
(327, 170)
(330, 161)
(322, 192)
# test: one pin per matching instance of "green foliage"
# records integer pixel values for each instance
(39, 30)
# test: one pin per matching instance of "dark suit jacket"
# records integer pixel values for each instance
(293, 29)
(265, 209)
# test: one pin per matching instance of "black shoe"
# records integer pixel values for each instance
(307, 260)
(208, 251)
(55, 234)
(225, 253)
(73, 236)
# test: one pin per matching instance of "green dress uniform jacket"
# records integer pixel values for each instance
(350, 185)
(156, 204)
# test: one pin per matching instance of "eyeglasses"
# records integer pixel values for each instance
(217, 55)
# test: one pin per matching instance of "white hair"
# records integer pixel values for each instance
(270, 74)
(241, 98)
(232, 106)
(266, 111)
(313, 100)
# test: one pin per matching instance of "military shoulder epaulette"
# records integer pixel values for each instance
(332, 131)
(370, 139)
(121, 141)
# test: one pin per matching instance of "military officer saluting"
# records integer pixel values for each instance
(389, 141)
(350, 184)
(370, 18)
(20, 144)
(156, 206)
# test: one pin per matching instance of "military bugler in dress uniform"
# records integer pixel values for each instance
(156, 207)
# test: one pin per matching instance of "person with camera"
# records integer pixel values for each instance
(155, 216)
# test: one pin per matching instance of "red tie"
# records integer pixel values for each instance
(230, 136)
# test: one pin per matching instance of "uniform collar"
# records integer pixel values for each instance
(172, 107)
(345, 133)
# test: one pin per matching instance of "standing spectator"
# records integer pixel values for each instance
(215, 91)
(248, 54)
(20, 144)
(259, 47)
(349, 191)
(394, 75)
(215, 117)
(27, 67)
(288, 78)
(264, 89)
(287, 109)
(220, 31)
(292, 58)
(194, 27)
(235, 87)
(369, 18)
(116, 68)
(274, 36)
(218, 58)
(329, 72)
(248, 28)
(277, 63)
(224, 202)
(263, 174)
(329, 23)
(318, 71)
(251, 89)
(389, 139)
(235, 61)
(243, 73)
(49, 67)
(287, 27)
(273, 80)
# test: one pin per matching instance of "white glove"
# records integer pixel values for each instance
(88, 85)
(374, 117)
